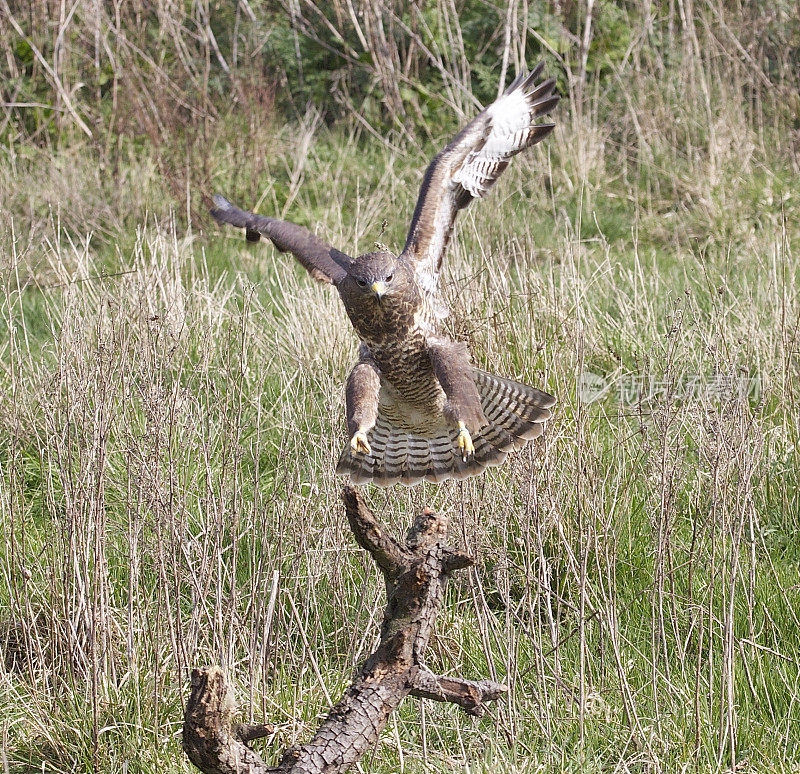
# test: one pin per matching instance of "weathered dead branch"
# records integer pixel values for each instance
(416, 574)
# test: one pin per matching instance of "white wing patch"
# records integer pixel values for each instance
(512, 130)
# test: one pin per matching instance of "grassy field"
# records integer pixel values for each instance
(173, 410)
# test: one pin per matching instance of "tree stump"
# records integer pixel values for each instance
(416, 575)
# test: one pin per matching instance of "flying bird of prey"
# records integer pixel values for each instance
(416, 407)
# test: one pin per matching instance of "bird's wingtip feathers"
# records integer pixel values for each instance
(220, 202)
(515, 83)
(542, 90)
(537, 70)
(525, 79)
(545, 104)
(541, 131)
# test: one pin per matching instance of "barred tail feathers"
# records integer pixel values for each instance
(516, 415)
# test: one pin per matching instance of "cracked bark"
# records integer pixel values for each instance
(416, 574)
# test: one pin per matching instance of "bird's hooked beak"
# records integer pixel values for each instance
(378, 288)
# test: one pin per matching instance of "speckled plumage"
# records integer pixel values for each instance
(416, 408)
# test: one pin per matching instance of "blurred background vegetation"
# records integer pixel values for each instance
(176, 82)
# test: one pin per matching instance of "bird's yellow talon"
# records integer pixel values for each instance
(465, 442)
(359, 443)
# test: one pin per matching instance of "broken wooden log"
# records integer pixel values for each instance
(416, 574)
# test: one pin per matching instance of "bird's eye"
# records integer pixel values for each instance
(390, 278)
(362, 283)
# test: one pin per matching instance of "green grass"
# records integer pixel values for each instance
(169, 437)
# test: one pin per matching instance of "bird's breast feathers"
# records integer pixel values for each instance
(410, 392)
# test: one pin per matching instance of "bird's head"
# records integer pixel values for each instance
(377, 275)
(377, 285)
(376, 278)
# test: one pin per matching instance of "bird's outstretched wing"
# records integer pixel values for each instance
(469, 165)
(323, 262)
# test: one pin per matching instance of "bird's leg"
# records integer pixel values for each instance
(361, 397)
(465, 442)
(463, 407)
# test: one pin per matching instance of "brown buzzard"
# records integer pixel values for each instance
(416, 407)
